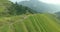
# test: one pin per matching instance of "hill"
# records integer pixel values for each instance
(29, 23)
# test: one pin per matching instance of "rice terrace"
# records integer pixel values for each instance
(17, 17)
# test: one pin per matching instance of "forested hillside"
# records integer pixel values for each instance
(17, 9)
(8, 8)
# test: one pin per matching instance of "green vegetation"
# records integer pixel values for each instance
(29, 23)
(3, 7)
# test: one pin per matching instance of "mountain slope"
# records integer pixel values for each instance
(58, 15)
(30, 23)
(41, 6)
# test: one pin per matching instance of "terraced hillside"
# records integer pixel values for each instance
(29, 23)
(3, 5)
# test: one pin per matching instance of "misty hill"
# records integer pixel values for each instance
(40, 6)
(58, 15)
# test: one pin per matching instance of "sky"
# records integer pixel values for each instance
(51, 1)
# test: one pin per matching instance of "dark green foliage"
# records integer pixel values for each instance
(16, 9)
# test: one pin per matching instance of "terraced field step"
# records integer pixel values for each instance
(30, 23)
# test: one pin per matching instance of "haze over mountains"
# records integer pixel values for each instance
(40, 6)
